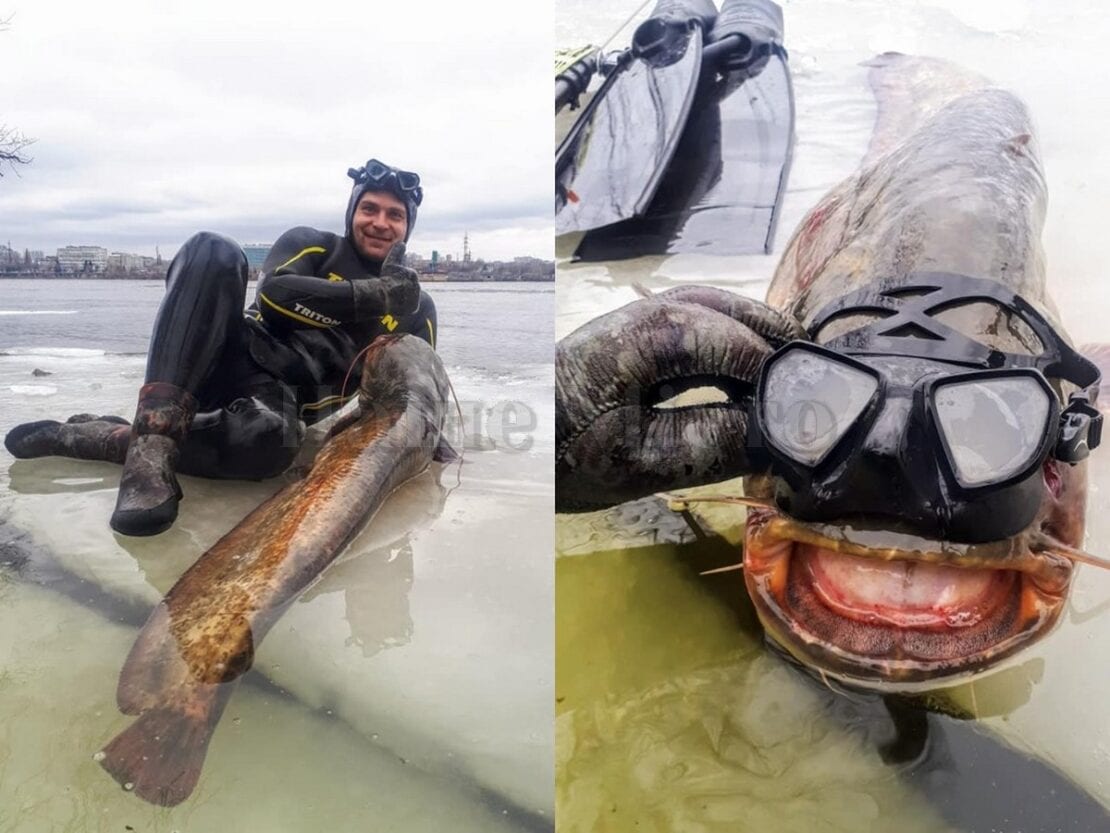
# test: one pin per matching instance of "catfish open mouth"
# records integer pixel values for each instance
(885, 610)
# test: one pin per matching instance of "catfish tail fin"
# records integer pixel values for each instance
(160, 755)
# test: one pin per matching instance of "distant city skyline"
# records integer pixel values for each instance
(124, 244)
(96, 261)
(157, 250)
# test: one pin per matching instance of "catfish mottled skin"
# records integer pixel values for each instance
(183, 667)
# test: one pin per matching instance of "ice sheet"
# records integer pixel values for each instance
(429, 640)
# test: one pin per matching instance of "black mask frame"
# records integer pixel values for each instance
(379, 174)
(913, 304)
(922, 395)
(1073, 429)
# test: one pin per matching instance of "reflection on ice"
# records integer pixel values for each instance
(375, 596)
(55, 475)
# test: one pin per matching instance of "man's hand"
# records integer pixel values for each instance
(396, 291)
(402, 284)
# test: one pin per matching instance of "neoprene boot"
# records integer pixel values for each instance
(148, 489)
(84, 436)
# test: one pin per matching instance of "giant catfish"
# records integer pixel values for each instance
(202, 637)
(950, 198)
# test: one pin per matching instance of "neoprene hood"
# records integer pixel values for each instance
(377, 176)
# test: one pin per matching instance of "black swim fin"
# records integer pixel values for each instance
(610, 163)
(722, 191)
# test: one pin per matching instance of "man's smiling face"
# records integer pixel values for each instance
(379, 221)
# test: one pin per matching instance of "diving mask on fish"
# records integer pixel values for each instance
(908, 418)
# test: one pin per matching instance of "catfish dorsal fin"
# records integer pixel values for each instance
(1017, 144)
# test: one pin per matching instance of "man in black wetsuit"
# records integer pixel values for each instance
(227, 392)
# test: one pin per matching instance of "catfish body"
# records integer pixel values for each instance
(951, 187)
(182, 668)
(952, 182)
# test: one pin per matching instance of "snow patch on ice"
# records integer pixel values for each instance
(56, 352)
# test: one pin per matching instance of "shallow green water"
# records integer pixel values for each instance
(673, 715)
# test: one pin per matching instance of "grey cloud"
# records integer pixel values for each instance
(223, 116)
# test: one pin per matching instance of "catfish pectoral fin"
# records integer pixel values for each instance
(617, 439)
(160, 755)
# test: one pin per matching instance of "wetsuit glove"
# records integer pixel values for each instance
(395, 291)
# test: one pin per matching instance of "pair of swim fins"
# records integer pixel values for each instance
(686, 146)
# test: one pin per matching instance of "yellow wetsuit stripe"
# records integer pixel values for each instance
(431, 332)
(302, 253)
(292, 315)
(334, 277)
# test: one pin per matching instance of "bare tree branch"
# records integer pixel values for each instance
(12, 147)
(12, 142)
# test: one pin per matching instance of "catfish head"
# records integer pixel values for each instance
(927, 482)
(931, 527)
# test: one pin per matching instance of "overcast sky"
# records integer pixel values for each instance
(156, 120)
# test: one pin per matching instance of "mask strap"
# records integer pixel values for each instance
(909, 306)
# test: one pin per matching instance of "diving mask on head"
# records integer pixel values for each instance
(377, 176)
(908, 418)
(388, 178)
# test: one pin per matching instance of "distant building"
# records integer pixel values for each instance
(82, 259)
(256, 254)
(124, 262)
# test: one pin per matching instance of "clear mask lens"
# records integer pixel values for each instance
(408, 180)
(810, 401)
(376, 171)
(994, 427)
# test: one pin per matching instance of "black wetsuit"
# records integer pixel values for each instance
(257, 374)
